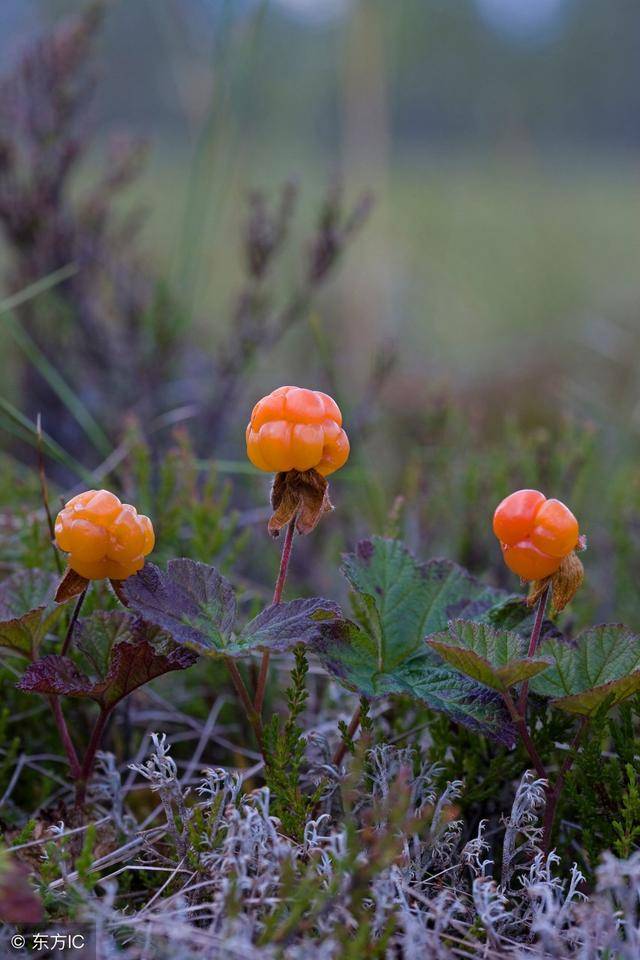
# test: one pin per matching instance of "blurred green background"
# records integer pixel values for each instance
(498, 267)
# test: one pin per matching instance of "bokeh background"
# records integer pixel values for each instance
(454, 255)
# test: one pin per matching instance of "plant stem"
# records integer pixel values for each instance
(65, 737)
(553, 795)
(90, 756)
(354, 723)
(533, 646)
(287, 547)
(527, 740)
(72, 622)
(252, 714)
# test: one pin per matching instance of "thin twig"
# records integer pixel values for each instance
(72, 623)
(354, 723)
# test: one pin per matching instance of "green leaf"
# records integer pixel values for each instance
(27, 611)
(602, 664)
(350, 654)
(399, 602)
(197, 607)
(495, 658)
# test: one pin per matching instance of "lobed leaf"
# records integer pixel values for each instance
(116, 654)
(495, 658)
(349, 653)
(284, 625)
(27, 611)
(602, 664)
(197, 606)
(191, 600)
(401, 601)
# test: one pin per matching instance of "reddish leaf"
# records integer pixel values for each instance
(117, 653)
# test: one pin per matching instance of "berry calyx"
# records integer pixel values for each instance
(104, 537)
(297, 429)
(536, 534)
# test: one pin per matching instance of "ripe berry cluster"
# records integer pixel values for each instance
(297, 429)
(103, 537)
(536, 534)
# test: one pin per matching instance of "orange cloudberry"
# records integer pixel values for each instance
(103, 537)
(297, 429)
(536, 534)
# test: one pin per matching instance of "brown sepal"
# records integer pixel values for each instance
(564, 583)
(567, 580)
(71, 585)
(304, 496)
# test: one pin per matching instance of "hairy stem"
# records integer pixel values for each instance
(72, 622)
(553, 795)
(252, 714)
(287, 547)
(65, 737)
(354, 723)
(533, 646)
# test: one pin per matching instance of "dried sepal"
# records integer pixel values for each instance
(564, 584)
(71, 585)
(304, 496)
(537, 589)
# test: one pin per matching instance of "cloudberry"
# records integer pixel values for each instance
(297, 429)
(103, 537)
(535, 533)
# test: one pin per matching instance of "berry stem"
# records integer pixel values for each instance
(533, 646)
(553, 795)
(90, 756)
(72, 623)
(287, 547)
(252, 714)
(65, 737)
(527, 740)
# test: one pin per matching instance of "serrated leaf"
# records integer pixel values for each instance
(602, 664)
(401, 601)
(350, 654)
(116, 654)
(191, 600)
(283, 625)
(197, 606)
(27, 611)
(495, 658)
